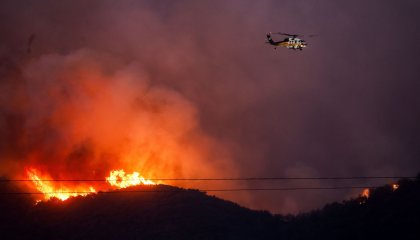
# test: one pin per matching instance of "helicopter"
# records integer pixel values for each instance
(291, 41)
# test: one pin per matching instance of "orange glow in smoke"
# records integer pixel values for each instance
(52, 189)
(104, 120)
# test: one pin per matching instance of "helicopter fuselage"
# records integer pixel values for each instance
(293, 43)
(289, 42)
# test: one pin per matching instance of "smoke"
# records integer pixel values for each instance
(189, 89)
(79, 115)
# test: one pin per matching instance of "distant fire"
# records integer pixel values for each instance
(86, 115)
(365, 193)
(120, 179)
(63, 190)
(53, 189)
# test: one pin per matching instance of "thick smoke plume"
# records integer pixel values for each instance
(190, 89)
(80, 115)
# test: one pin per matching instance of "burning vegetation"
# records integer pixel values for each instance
(120, 179)
(365, 193)
(64, 189)
(53, 189)
(85, 115)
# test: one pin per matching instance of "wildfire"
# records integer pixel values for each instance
(365, 193)
(120, 179)
(50, 189)
(63, 190)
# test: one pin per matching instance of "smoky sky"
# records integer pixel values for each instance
(347, 105)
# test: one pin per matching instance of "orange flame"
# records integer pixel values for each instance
(56, 189)
(365, 193)
(50, 189)
(120, 179)
(395, 186)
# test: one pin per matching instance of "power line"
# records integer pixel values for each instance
(218, 179)
(202, 190)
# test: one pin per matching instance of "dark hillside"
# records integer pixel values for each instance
(386, 214)
(167, 212)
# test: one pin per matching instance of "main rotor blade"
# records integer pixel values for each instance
(295, 35)
(287, 34)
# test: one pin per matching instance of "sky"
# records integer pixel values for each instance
(191, 89)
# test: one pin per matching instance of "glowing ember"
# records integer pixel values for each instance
(395, 186)
(121, 179)
(365, 193)
(50, 189)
